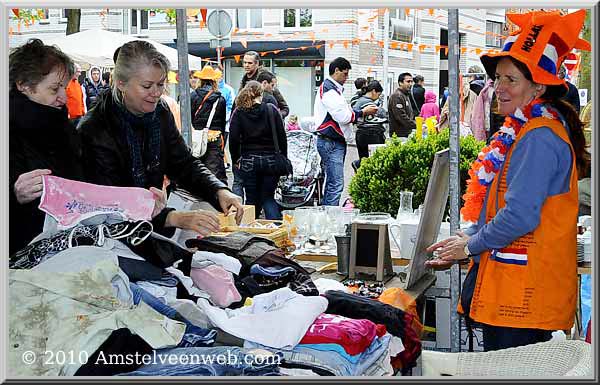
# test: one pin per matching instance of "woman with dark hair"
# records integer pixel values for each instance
(203, 99)
(42, 141)
(370, 129)
(130, 139)
(252, 147)
(522, 279)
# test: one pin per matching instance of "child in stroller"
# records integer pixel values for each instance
(305, 185)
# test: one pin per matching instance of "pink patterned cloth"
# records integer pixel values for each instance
(70, 202)
(218, 283)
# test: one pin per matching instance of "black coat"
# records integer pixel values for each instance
(107, 160)
(417, 98)
(40, 137)
(200, 117)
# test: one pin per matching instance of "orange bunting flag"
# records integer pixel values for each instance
(10, 31)
(303, 48)
(345, 43)
(406, 11)
(369, 70)
(463, 50)
(244, 43)
(202, 24)
(373, 59)
(380, 44)
(235, 30)
(445, 50)
(237, 58)
(276, 51)
(355, 40)
(19, 26)
(16, 11)
(263, 53)
(394, 45)
(410, 46)
(478, 51)
(331, 44)
(421, 47)
(431, 11)
(318, 46)
(203, 12)
(437, 48)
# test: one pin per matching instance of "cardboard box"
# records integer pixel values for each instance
(229, 220)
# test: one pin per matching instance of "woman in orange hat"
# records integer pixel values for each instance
(204, 98)
(522, 196)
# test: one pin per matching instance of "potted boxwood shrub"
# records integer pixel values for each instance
(398, 167)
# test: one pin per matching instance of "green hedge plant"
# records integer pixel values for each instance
(405, 167)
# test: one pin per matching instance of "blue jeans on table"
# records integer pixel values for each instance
(259, 185)
(333, 154)
(212, 361)
(193, 336)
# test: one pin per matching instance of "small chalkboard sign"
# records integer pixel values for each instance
(370, 250)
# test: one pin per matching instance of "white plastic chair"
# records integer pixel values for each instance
(544, 359)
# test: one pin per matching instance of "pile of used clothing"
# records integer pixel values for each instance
(106, 295)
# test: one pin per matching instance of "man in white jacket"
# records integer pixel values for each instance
(334, 118)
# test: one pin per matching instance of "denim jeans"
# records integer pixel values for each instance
(237, 187)
(194, 336)
(332, 155)
(212, 361)
(259, 186)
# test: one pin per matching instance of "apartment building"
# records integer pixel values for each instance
(298, 44)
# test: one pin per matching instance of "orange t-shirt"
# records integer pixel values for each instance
(75, 99)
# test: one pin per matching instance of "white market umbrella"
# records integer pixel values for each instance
(97, 46)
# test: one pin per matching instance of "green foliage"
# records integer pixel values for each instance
(169, 12)
(405, 167)
(585, 68)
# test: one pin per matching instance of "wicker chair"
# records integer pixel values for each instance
(544, 359)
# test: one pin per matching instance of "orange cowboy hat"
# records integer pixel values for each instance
(207, 73)
(541, 43)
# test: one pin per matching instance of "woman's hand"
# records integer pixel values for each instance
(448, 251)
(229, 200)
(29, 185)
(160, 200)
(201, 221)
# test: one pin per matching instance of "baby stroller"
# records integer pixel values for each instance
(306, 183)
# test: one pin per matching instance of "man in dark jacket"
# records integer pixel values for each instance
(93, 87)
(401, 115)
(417, 94)
(267, 81)
(572, 96)
(252, 68)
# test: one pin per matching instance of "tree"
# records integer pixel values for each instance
(73, 20)
(585, 68)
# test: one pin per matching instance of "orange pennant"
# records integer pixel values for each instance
(345, 43)
(331, 44)
(355, 40)
(431, 11)
(421, 47)
(237, 58)
(410, 46)
(10, 31)
(373, 59)
(369, 70)
(202, 24)
(463, 50)
(203, 12)
(406, 11)
(235, 30)
(276, 51)
(437, 48)
(244, 43)
(16, 12)
(477, 51)
(380, 44)
(445, 51)
(263, 53)
(394, 45)
(19, 26)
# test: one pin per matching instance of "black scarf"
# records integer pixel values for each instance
(142, 134)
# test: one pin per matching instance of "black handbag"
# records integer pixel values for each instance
(281, 165)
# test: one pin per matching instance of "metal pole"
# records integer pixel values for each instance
(219, 53)
(184, 70)
(386, 43)
(454, 99)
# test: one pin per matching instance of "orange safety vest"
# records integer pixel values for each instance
(75, 99)
(531, 283)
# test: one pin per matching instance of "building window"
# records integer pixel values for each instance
(139, 21)
(401, 26)
(297, 18)
(248, 19)
(493, 36)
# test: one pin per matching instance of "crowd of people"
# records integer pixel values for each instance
(121, 130)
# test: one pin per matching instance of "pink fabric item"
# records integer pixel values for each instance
(430, 107)
(292, 126)
(218, 283)
(481, 112)
(354, 335)
(70, 202)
